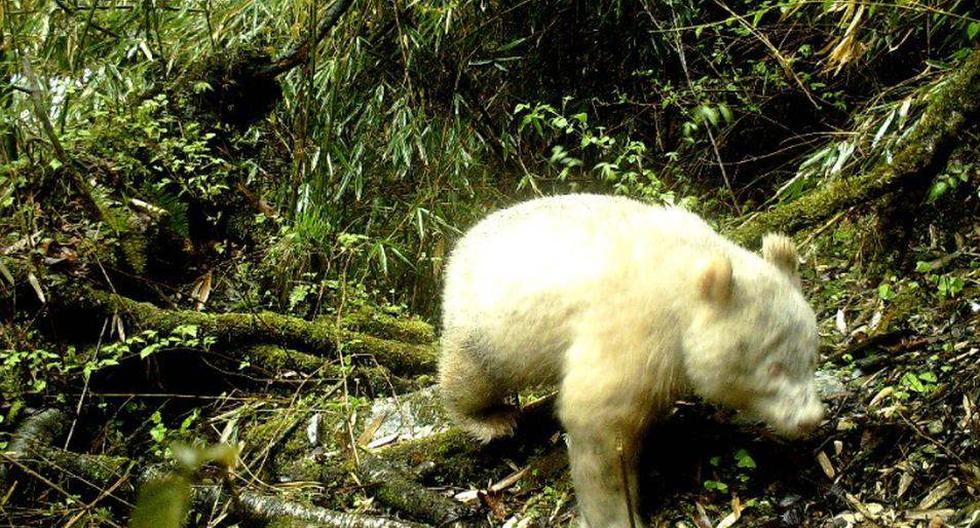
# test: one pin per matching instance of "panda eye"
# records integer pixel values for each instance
(776, 369)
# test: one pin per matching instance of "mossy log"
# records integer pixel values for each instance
(246, 329)
(403, 329)
(397, 490)
(458, 458)
(97, 473)
(950, 110)
(40, 429)
(278, 512)
(375, 379)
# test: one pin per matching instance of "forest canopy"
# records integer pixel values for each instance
(223, 226)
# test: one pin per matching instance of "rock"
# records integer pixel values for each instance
(829, 385)
(410, 416)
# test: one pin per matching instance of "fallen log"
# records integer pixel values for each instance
(42, 428)
(230, 330)
(465, 460)
(397, 490)
(99, 473)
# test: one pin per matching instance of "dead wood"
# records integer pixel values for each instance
(462, 459)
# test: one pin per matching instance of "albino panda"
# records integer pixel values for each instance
(625, 307)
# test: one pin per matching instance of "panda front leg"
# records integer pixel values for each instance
(604, 426)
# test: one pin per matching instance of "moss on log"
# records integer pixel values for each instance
(403, 329)
(38, 430)
(96, 472)
(235, 329)
(459, 458)
(101, 472)
(921, 154)
(375, 379)
(395, 489)
(279, 512)
(277, 359)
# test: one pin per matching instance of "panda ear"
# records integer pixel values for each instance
(780, 251)
(715, 279)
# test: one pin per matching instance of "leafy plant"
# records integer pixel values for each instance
(947, 286)
(620, 163)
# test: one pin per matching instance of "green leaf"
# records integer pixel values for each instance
(928, 377)
(187, 330)
(298, 294)
(912, 381)
(744, 459)
(148, 350)
(726, 113)
(715, 485)
(972, 30)
(885, 292)
(937, 190)
(709, 114)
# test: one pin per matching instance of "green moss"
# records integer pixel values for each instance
(276, 358)
(94, 468)
(405, 329)
(282, 439)
(227, 329)
(133, 248)
(456, 454)
(306, 468)
(399, 491)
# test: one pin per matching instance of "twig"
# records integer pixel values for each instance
(508, 481)
(105, 493)
(817, 232)
(679, 46)
(45, 480)
(81, 398)
(778, 55)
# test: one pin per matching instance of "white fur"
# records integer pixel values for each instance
(626, 307)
